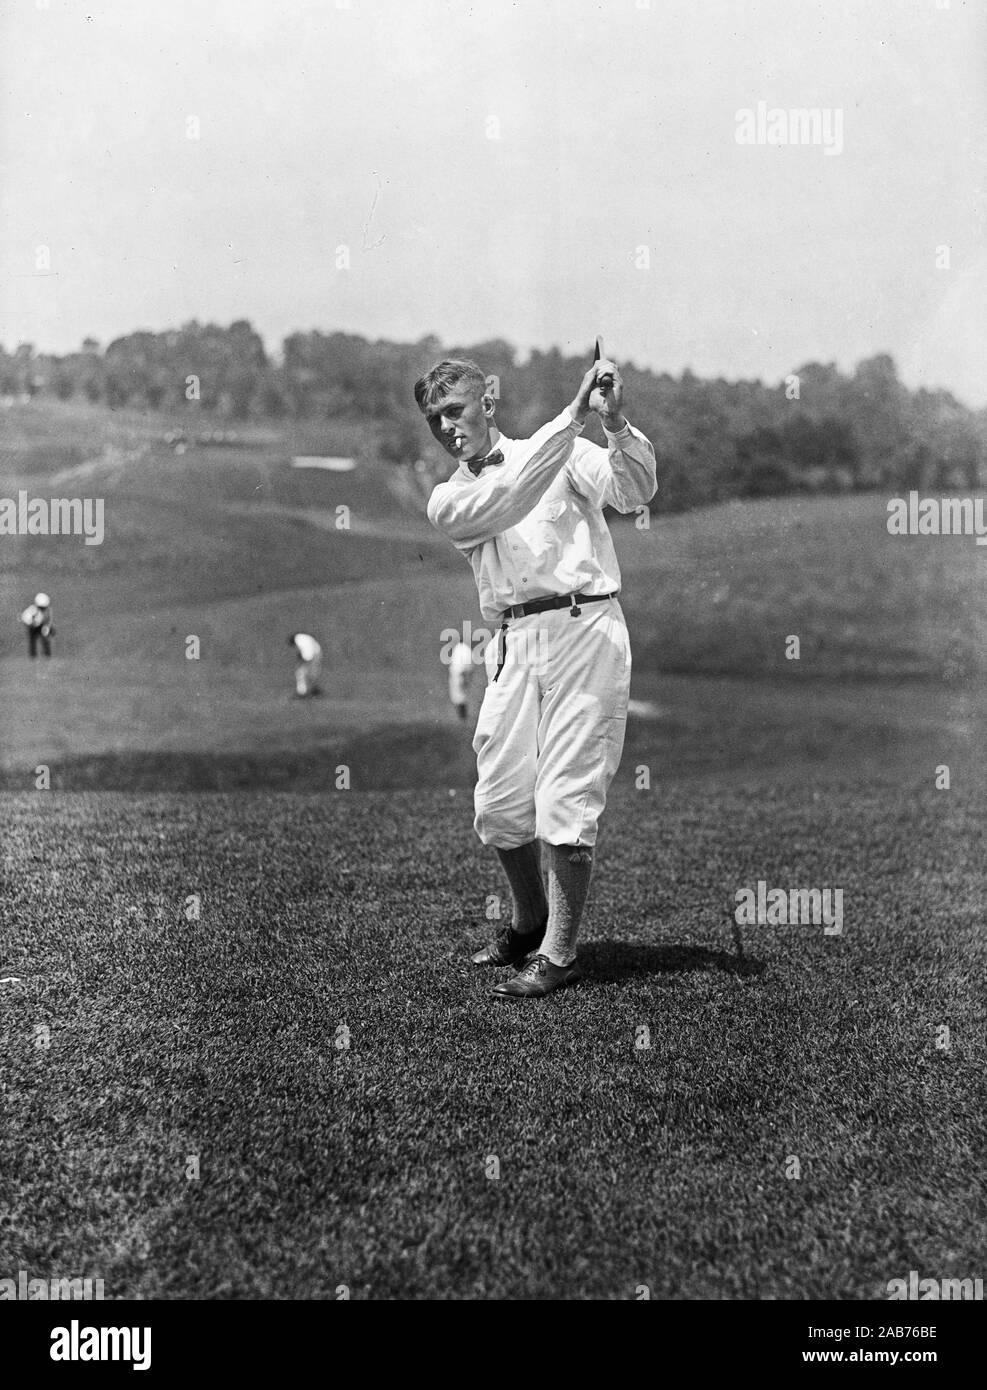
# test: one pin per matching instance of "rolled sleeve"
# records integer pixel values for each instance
(622, 476)
(633, 469)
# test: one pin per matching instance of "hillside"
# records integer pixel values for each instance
(230, 543)
(821, 430)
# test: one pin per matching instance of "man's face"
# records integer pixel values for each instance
(461, 421)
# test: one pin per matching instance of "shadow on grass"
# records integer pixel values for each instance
(617, 960)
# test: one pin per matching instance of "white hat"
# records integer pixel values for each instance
(41, 601)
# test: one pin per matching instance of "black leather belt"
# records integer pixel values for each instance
(542, 605)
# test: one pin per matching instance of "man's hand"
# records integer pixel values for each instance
(605, 401)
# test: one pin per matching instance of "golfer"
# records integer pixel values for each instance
(528, 516)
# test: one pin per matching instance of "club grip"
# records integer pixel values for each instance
(605, 382)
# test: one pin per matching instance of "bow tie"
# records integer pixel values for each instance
(476, 466)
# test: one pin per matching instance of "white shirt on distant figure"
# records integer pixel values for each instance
(461, 667)
(40, 629)
(33, 616)
(309, 663)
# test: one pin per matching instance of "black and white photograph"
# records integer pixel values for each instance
(493, 666)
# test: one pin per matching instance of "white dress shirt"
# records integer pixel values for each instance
(306, 646)
(533, 525)
(33, 616)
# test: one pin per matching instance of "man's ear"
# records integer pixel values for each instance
(488, 403)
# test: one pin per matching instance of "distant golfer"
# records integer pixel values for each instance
(308, 661)
(528, 516)
(40, 629)
(460, 678)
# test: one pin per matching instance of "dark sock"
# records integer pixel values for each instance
(523, 869)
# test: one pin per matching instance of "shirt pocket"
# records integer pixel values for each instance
(543, 529)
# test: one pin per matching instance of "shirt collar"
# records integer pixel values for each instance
(503, 444)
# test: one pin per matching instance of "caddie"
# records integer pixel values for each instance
(528, 516)
(40, 628)
(460, 678)
(308, 662)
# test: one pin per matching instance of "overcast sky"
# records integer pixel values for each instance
(494, 171)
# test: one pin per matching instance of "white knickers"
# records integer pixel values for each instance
(551, 728)
(306, 674)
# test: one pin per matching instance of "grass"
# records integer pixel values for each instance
(697, 728)
(136, 1035)
(365, 1165)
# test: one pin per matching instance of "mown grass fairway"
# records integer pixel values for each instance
(366, 1165)
(238, 548)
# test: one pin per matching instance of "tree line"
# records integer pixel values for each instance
(821, 430)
